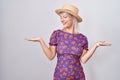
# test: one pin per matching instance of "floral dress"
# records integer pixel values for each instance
(69, 49)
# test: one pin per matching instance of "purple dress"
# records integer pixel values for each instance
(69, 49)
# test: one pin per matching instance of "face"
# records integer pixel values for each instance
(66, 20)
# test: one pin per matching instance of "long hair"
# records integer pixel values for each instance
(75, 24)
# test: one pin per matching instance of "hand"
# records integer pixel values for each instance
(102, 43)
(36, 39)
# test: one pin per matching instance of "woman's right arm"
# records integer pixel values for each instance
(50, 51)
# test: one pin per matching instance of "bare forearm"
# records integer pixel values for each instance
(88, 54)
(46, 50)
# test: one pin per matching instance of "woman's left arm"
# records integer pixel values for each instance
(86, 55)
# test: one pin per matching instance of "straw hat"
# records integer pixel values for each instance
(71, 9)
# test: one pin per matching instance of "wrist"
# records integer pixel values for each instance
(97, 44)
(40, 40)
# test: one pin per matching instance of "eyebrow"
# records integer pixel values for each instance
(66, 14)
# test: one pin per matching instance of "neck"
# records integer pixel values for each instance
(70, 29)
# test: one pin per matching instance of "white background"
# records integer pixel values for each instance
(23, 60)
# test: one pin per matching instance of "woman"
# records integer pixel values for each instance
(70, 45)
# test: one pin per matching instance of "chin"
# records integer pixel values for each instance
(66, 26)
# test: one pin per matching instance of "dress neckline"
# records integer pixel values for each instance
(69, 33)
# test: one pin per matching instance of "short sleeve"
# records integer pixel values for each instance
(85, 46)
(53, 39)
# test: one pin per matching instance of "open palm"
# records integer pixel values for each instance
(36, 39)
(102, 43)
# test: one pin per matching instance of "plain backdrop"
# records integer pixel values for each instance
(23, 60)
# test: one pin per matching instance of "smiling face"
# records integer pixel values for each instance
(66, 20)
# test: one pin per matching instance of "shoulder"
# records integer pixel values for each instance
(82, 35)
(84, 38)
(56, 31)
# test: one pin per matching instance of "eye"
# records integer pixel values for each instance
(65, 16)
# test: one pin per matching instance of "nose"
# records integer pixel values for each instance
(62, 20)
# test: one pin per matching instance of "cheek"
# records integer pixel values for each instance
(70, 22)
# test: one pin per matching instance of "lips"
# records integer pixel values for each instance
(64, 23)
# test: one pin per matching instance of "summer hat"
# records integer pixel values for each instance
(71, 9)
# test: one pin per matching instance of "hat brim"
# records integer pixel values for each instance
(58, 11)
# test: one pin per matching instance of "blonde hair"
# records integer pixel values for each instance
(75, 23)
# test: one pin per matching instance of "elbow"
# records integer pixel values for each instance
(83, 61)
(50, 58)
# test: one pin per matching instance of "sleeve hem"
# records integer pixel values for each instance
(52, 44)
(86, 49)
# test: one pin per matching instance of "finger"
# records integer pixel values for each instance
(102, 41)
(107, 44)
(29, 39)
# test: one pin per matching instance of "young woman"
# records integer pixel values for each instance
(70, 46)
